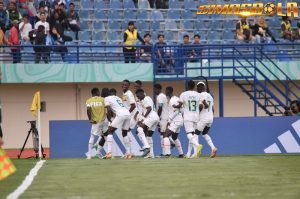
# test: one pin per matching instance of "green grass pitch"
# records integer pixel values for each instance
(266, 176)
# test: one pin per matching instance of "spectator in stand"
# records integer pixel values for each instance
(187, 48)
(3, 41)
(46, 4)
(25, 27)
(295, 107)
(146, 49)
(297, 32)
(55, 22)
(151, 3)
(63, 15)
(243, 30)
(130, 38)
(4, 19)
(197, 50)
(13, 14)
(262, 32)
(165, 58)
(288, 111)
(41, 11)
(15, 42)
(59, 42)
(286, 28)
(73, 20)
(40, 49)
(42, 22)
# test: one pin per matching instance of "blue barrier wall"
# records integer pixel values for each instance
(250, 135)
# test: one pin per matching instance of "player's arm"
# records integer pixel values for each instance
(149, 109)
(109, 113)
(132, 107)
(205, 104)
(179, 105)
(89, 113)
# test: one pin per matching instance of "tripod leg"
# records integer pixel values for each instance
(24, 144)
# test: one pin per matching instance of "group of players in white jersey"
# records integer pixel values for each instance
(193, 110)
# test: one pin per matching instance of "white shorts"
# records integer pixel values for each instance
(151, 121)
(121, 122)
(202, 124)
(190, 126)
(100, 128)
(175, 126)
(132, 122)
(163, 125)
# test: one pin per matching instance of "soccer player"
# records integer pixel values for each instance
(190, 101)
(97, 117)
(175, 122)
(115, 106)
(149, 124)
(162, 111)
(129, 102)
(206, 116)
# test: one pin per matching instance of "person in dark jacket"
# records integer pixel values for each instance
(261, 32)
(40, 48)
(59, 42)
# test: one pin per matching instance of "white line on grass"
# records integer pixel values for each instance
(27, 181)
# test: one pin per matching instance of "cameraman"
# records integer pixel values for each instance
(38, 38)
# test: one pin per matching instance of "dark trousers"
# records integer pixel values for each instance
(75, 28)
(44, 55)
(16, 53)
(129, 55)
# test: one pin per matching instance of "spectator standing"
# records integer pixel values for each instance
(187, 48)
(42, 22)
(73, 20)
(286, 28)
(40, 49)
(13, 14)
(15, 42)
(130, 38)
(197, 50)
(243, 30)
(262, 32)
(146, 49)
(160, 50)
(25, 27)
(4, 19)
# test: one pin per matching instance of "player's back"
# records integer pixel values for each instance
(128, 99)
(190, 100)
(174, 102)
(116, 105)
(207, 113)
(162, 101)
(147, 102)
(96, 104)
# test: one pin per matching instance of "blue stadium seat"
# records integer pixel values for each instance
(143, 15)
(174, 4)
(143, 4)
(100, 5)
(98, 48)
(84, 14)
(98, 25)
(174, 14)
(171, 25)
(201, 25)
(98, 36)
(116, 4)
(228, 35)
(142, 25)
(155, 25)
(229, 24)
(169, 36)
(70, 33)
(124, 24)
(213, 36)
(113, 15)
(190, 5)
(112, 36)
(203, 35)
(84, 35)
(128, 4)
(187, 14)
(157, 15)
(187, 25)
(181, 34)
(130, 14)
(84, 25)
(87, 4)
(216, 24)
(113, 25)
(101, 14)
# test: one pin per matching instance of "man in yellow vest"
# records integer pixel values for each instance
(97, 117)
(130, 38)
(286, 28)
(243, 30)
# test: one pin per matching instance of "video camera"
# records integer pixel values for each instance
(32, 123)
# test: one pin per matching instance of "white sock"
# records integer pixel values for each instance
(91, 144)
(127, 144)
(109, 143)
(195, 142)
(162, 145)
(129, 134)
(190, 146)
(167, 146)
(142, 136)
(178, 146)
(209, 141)
(150, 141)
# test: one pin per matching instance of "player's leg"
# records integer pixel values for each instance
(94, 133)
(141, 133)
(125, 129)
(116, 123)
(167, 143)
(175, 127)
(150, 141)
(189, 128)
(209, 141)
(162, 130)
(151, 123)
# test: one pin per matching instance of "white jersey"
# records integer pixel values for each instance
(128, 99)
(147, 102)
(162, 101)
(207, 114)
(190, 100)
(116, 105)
(174, 113)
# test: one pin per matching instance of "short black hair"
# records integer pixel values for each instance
(112, 91)
(297, 102)
(139, 82)
(139, 91)
(25, 16)
(131, 23)
(94, 91)
(197, 35)
(186, 36)
(191, 84)
(105, 92)
(71, 4)
(158, 86)
(126, 80)
(170, 88)
(146, 35)
(160, 35)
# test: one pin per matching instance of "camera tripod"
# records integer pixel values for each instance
(35, 137)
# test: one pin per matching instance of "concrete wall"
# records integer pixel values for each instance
(67, 102)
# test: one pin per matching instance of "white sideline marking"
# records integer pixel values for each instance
(27, 181)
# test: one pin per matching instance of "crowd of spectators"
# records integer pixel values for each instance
(39, 24)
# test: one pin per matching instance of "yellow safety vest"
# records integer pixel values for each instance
(131, 38)
(287, 26)
(244, 26)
